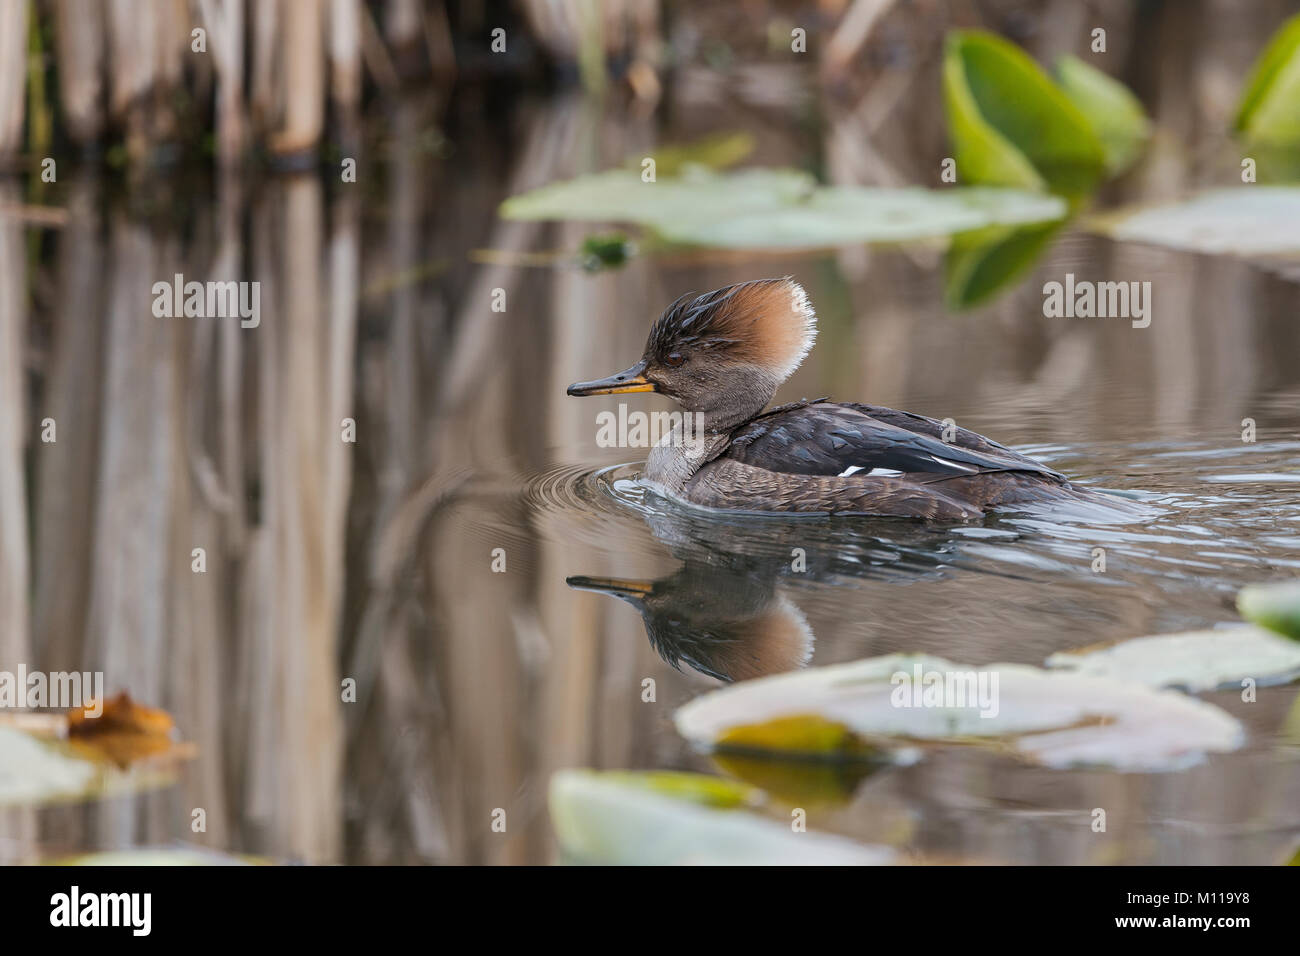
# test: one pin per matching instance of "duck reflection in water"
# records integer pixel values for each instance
(726, 623)
(725, 611)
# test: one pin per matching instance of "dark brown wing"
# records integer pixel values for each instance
(825, 438)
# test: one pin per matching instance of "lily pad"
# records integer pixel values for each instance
(619, 195)
(1249, 220)
(805, 783)
(54, 757)
(1010, 124)
(1115, 113)
(1056, 719)
(1274, 606)
(35, 771)
(1195, 660)
(1270, 106)
(657, 819)
(777, 208)
(844, 215)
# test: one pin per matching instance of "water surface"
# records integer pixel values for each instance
(374, 560)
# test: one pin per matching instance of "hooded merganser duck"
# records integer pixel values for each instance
(723, 355)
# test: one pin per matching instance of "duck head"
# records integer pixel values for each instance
(722, 354)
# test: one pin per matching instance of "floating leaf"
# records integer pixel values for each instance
(1114, 112)
(695, 787)
(619, 195)
(48, 757)
(124, 732)
(844, 215)
(804, 783)
(796, 733)
(119, 715)
(35, 771)
(1270, 106)
(1195, 660)
(777, 208)
(1250, 220)
(1010, 125)
(625, 818)
(1274, 606)
(1057, 719)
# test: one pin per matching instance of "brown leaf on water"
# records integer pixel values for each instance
(125, 732)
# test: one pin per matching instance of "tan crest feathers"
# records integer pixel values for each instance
(765, 322)
(784, 324)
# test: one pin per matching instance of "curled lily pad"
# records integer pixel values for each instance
(1274, 606)
(1194, 661)
(1269, 111)
(657, 819)
(88, 752)
(1249, 220)
(1010, 124)
(777, 208)
(1057, 719)
(1116, 115)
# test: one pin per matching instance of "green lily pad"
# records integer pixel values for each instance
(1269, 111)
(805, 783)
(619, 195)
(1274, 606)
(626, 818)
(1248, 220)
(844, 215)
(1115, 113)
(1056, 719)
(1010, 124)
(777, 208)
(1195, 660)
(695, 787)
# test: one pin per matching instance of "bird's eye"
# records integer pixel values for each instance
(674, 359)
